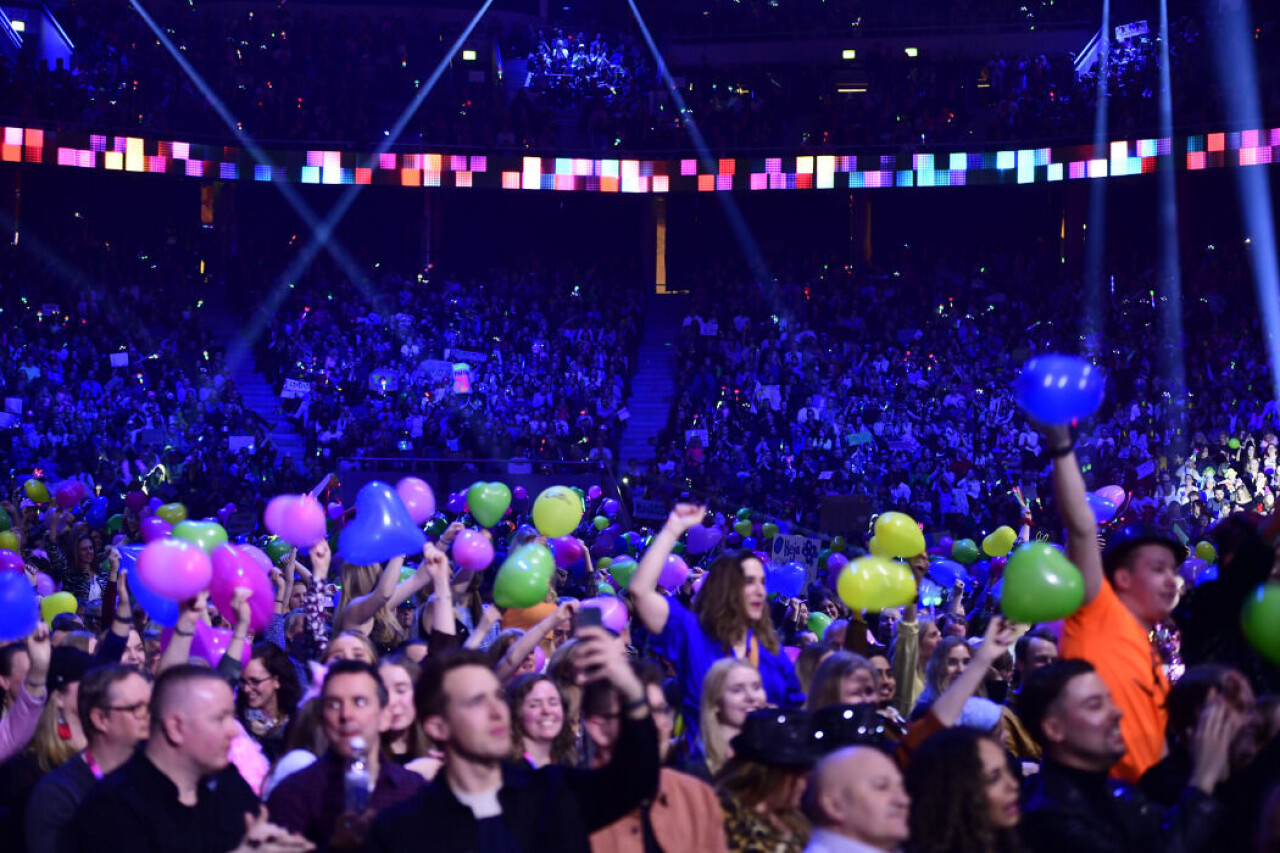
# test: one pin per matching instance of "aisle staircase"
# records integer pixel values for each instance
(653, 387)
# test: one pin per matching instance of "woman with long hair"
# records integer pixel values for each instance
(350, 645)
(729, 619)
(950, 658)
(964, 798)
(371, 594)
(761, 786)
(730, 692)
(538, 731)
(843, 679)
(75, 562)
(404, 742)
(268, 696)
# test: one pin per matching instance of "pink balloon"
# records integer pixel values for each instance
(11, 561)
(261, 558)
(418, 499)
(472, 550)
(154, 527)
(65, 496)
(675, 571)
(567, 551)
(135, 501)
(336, 510)
(235, 567)
(791, 652)
(174, 568)
(613, 612)
(297, 519)
(594, 493)
(210, 643)
(835, 565)
(44, 584)
(1115, 494)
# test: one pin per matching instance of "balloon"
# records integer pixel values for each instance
(1233, 443)
(835, 565)
(334, 509)
(1115, 494)
(999, 542)
(980, 571)
(242, 566)
(599, 522)
(525, 576)
(11, 561)
(838, 543)
(115, 523)
(610, 507)
(613, 612)
(135, 501)
(566, 550)
(818, 623)
(154, 527)
(1260, 620)
(594, 493)
(621, 571)
(457, 503)
(418, 498)
(36, 490)
(472, 551)
(557, 512)
(945, 573)
(867, 583)
(603, 562)
(1192, 568)
(702, 539)
(382, 528)
(898, 534)
(44, 584)
(207, 534)
(65, 496)
(1206, 551)
(1103, 509)
(675, 572)
(9, 541)
(56, 604)
(19, 609)
(769, 530)
(946, 543)
(750, 543)
(275, 551)
(1040, 585)
(733, 540)
(96, 516)
(742, 528)
(210, 643)
(743, 514)
(965, 551)
(297, 519)
(1058, 389)
(174, 568)
(786, 580)
(172, 513)
(487, 502)
(603, 546)
(878, 548)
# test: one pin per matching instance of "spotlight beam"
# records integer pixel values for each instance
(1096, 236)
(1169, 286)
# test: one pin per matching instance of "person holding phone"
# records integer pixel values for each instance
(730, 618)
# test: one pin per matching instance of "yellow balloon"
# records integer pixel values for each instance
(9, 540)
(1206, 551)
(1000, 541)
(557, 512)
(867, 584)
(876, 547)
(903, 584)
(58, 603)
(899, 535)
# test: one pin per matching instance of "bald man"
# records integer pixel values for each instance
(180, 793)
(857, 803)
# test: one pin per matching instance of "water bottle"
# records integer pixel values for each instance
(358, 781)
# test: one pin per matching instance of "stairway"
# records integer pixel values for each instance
(253, 386)
(653, 386)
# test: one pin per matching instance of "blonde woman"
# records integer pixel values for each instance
(731, 690)
(371, 594)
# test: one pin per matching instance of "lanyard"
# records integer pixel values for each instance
(93, 765)
(752, 649)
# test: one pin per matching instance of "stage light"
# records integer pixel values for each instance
(848, 53)
(912, 52)
(468, 56)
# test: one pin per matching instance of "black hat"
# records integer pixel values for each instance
(66, 666)
(1122, 542)
(777, 737)
(66, 622)
(838, 726)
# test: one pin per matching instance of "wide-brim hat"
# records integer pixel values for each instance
(838, 726)
(777, 737)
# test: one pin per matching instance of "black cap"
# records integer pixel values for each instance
(838, 726)
(1122, 542)
(780, 738)
(66, 622)
(67, 665)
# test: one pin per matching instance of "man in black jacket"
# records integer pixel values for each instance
(482, 802)
(1071, 805)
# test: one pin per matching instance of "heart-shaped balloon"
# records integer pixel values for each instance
(769, 530)
(472, 551)
(174, 568)
(621, 570)
(786, 580)
(297, 519)
(613, 611)
(207, 534)
(867, 583)
(701, 539)
(172, 513)
(418, 499)
(161, 610)
(1000, 541)
(524, 577)
(275, 550)
(55, 605)
(382, 528)
(965, 551)
(1115, 494)
(487, 502)
(154, 527)
(557, 511)
(19, 608)
(675, 571)
(1040, 585)
(135, 501)
(742, 527)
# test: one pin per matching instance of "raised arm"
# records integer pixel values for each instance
(436, 562)
(1082, 530)
(179, 649)
(524, 646)
(364, 608)
(651, 605)
(999, 637)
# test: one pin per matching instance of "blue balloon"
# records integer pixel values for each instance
(981, 570)
(19, 607)
(945, 573)
(161, 610)
(750, 543)
(1103, 509)
(1058, 389)
(996, 589)
(96, 515)
(786, 580)
(382, 528)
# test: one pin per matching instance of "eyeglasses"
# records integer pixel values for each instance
(137, 709)
(255, 683)
(664, 709)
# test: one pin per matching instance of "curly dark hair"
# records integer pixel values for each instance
(949, 810)
(563, 750)
(720, 608)
(288, 694)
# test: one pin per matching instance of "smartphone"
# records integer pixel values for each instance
(590, 617)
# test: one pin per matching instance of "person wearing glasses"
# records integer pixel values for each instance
(113, 709)
(268, 695)
(685, 815)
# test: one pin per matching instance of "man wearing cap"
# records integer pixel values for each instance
(1128, 591)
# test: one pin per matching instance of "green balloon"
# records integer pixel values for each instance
(525, 577)
(965, 551)
(277, 550)
(823, 556)
(207, 534)
(838, 544)
(9, 540)
(606, 589)
(744, 514)
(172, 513)
(115, 523)
(437, 526)
(5, 521)
(621, 571)
(1234, 443)
(769, 529)
(599, 522)
(742, 527)
(488, 501)
(1260, 620)
(603, 562)
(678, 548)
(1040, 585)
(818, 623)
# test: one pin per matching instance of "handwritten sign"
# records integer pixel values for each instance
(295, 388)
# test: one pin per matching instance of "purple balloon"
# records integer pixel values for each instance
(304, 522)
(835, 565)
(520, 493)
(44, 584)
(701, 539)
(135, 501)
(11, 561)
(675, 571)
(1103, 509)
(418, 499)
(609, 508)
(154, 527)
(472, 551)
(174, 568)
(594, 493)
(236, 566)
(602, 547)
(613, 612)
(567, 550)
(457, 503)
(335, 510)
(945, 543)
